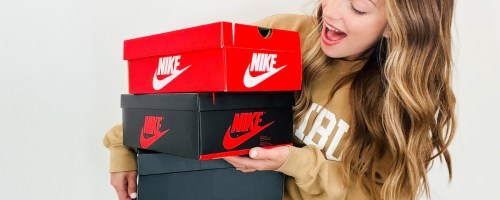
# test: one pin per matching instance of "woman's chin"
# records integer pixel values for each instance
(330, 52)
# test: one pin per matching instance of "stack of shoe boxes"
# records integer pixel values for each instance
(206, 92)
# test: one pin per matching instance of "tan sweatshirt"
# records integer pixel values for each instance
(313, 171)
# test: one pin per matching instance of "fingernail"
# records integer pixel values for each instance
(253, 153)
(133, 195)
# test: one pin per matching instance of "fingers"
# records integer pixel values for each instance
(260, 159)
(122, 193)
(257, 153)
(234, 164)
(247, 170)
(132, 184)
(267, 154)
(120, 183)
(238, 162)
(238, 166)
(246, 164)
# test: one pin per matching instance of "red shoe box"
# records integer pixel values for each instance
(163, 176)
(216, 57)
(207, 125)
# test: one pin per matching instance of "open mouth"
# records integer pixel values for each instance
(332, 35)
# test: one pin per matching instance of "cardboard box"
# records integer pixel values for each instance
(207, 125)
(217, 57)
(163, 176)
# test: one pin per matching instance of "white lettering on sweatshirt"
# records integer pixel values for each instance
(319, 133)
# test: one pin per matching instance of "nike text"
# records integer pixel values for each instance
(168, 65)
(245, 121)
(263, 62)
(152, 124)
(151, 131)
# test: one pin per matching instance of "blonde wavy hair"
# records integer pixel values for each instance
(402, 100)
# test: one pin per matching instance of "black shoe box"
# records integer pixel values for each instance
(168, 177)
(204, 126)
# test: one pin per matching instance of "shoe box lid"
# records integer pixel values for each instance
(208, 101)
(211, 36)
(160, 163)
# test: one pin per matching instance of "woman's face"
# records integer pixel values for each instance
(350, 27)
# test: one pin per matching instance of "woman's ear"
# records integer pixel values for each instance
(387, 32)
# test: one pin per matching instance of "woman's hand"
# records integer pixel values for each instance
(260, 159)
(125, 184)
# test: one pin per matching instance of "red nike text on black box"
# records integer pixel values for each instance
(207, 125)
(217, 57)
(163, 176)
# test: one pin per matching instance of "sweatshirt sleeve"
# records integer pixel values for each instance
(122, 158)
(315, 176)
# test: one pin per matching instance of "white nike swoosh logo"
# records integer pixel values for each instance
(159, 84)
(251, 81)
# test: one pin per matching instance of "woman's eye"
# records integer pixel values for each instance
(357, 11)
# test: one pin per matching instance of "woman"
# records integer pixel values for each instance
(376, 106)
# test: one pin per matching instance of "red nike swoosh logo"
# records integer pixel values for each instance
(146, 142)
(231, 143)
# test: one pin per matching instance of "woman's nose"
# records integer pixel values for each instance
(332, 9)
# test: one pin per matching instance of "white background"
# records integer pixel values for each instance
(62, 74)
